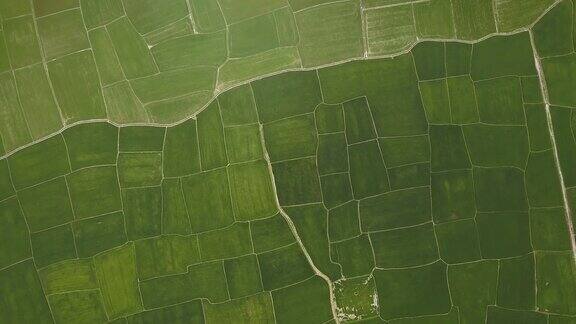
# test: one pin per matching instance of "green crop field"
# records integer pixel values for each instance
(288, 161)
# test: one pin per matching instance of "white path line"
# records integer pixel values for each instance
(545, 96)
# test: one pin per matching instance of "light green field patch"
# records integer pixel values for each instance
(99, 13)
(434, 19)
(389, 29)
(435, 100)
(356, 298)
(235, 11)
(283, 267)
(38, 105)
(78, 307)
(270, 233)
(406, 247)
(169, 111)
(21, 42)
(14, 128)
(297, 181)
(27, 166)
(251, 189)
(106, 60)
(417, 291)
(149, 15)
(243, 143)
(253, 35)
(458, 241)
(117, 277)
(473, 296)
(211, 140)
(62, 33)
(243, 276)
(516, 284)
(343, 222)
(237, 106)
(555, 277)
(20, 287)
(489, 146)
(175, 218)
(132, 51)
(286, 27)
(311, 224)
(4, 60)
(405, 150)
(306, 300)
(516, 14)
(409, 176)
(68, 276)
(14, 8)
(358, 121)
(91, 144)
(499, 189)
(208, 200)
(452, 196)
(473, 19)
(395, 209)
(367, 170)
(330, 32)
(504, 234)
(165, 255)
(98, 234)
(225, 243)
(500, 101)
(180, 28)
(123, 105)
(77, 88)
(463, 104)
(94, 191)
(191, 50)
(46, 205)
(142, 212)
(548, 229)
(354, 256)
(53, 245)
(207, 16)
(332, 153)
(253, 309)
(141, 139)
(14, 235)
(181, 153)
(329, 118)
(188, 312)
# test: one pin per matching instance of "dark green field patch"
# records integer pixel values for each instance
(6, 187)
(94, 235)
(367, 170)
(429, 58)
(549, 229)
(211, 138)
(283, 267)
(141, 139)
(139, 169)
(78, 306)
(406, 247)
(531, 92)
(297, 181)
(270, 233)
(499, 189)
(208, 200)
(542, 182)
(286, 95)
(91, 144)
(290, 138)
(409, 176)
(504, 234)
(94, 191)
(46, 205)
(500, 101)
(175, 218)
(516, 284)
(165, 255)
(143, 212)
(188, 312)
(329, 118)
(29, 167)
(343, 222)
(448, 149)
(225, 243)
(560, 74)
(332, 153)
(405, 150)
(358, 121)
(458, 58)
(473, 296)
(243, 276)
(354, 256)
(555, 279)
(417, 291)
(336, 189)
(494, 146)
(243, 143)
(537, 127)
(14, 235)
(435, 100)
(53, 245)
(458, 241)
(237, 106)
(305, 302)
(463, 105)
(496, 315)
(255, 308)
(251, 190)
(553, 34)
(564, 124)
(395, 209)
(181, 152)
